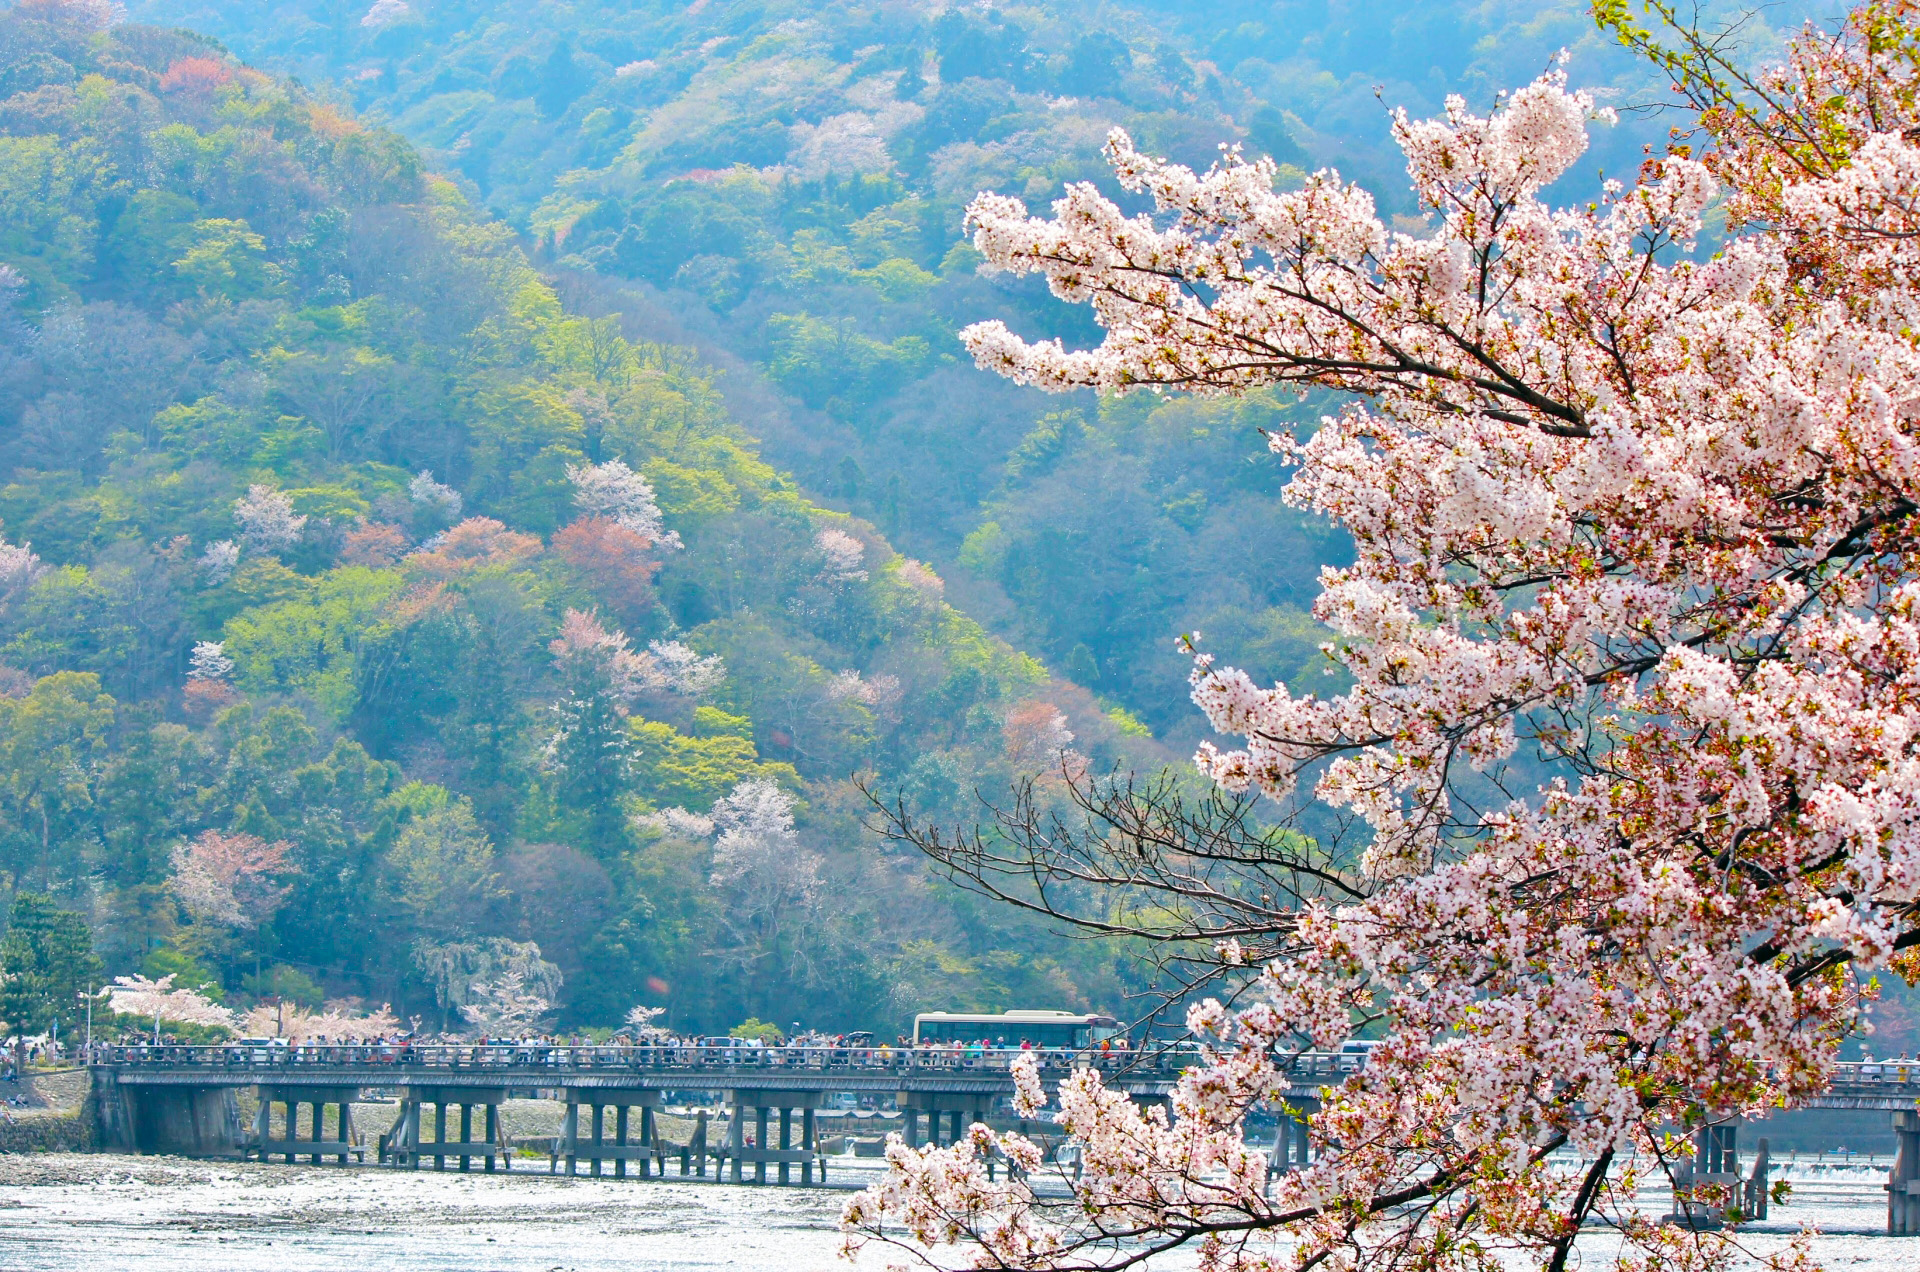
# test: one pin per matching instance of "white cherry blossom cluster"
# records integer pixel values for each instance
(1650, 515)
(161, 1001)
(219, 560)
(209, 661)
(646, 1026)
(268, 523)
(677, 822)
(442, 499)
(664, 666)
(919, 576)
(676, 668)
(335, 1024)
(614, 491)
(504, 1006)
(19, 568)
(844, 557)
(586, 649)
(757, 854)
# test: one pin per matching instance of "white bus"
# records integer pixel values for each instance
(1041, 1028)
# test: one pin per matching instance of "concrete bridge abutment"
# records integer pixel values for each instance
(192, 1121)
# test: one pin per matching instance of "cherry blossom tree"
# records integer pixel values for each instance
(600, 674)
(209, 661)
(676, 822)
(475, 543)
(919, 576)
(645, 1023)
(219, 560)
(504, 1006)
(139, 996)
(677, 668)
(209, 684)
(843, 556)
(455, 969)
(267, 521)
(618, 563)
(1036, 735)
(19, 567)
(435, 498)
(770, 881)
(374, 543)
(1630, 640)
(614, 491)
(230, 880)
(335, 1024)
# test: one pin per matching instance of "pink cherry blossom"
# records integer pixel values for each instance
(1632, 647)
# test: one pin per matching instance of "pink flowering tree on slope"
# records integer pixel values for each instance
(1632, 662)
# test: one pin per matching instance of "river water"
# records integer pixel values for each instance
(125, 1214)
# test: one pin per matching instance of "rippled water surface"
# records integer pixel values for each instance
(122, 1214)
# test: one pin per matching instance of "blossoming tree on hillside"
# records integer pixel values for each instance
(231, 880)
(1632, 639)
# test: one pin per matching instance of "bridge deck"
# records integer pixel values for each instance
(534, 1068)
(1886, 1085)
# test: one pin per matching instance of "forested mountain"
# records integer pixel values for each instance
(366, 613)
(782, 185)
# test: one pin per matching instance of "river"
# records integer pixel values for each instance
(61, 1212)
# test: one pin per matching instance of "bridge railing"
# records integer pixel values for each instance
(701, 1061)
(652, 1060)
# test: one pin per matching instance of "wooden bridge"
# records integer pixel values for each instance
(183, 1099)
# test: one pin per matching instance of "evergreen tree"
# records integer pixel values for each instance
(47, 964)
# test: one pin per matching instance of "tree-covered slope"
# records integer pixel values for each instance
(782, 185)
(327, 523)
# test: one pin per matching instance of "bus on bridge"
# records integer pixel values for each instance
(1044, 1029)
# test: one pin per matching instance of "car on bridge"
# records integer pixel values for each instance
(260, 1050)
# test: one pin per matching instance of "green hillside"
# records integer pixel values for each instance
(327, 522)
(781, 186)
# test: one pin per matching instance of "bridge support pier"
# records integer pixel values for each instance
(595, 1147)
(788, 1154)
(1903, 1181)
(1292, 1150)
(696, 1148)
(316, 1145)
(959, 1108)
(405, 1146)
(195, 1121)
(1715, 1165)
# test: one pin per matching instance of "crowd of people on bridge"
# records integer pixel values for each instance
(670, 1044)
